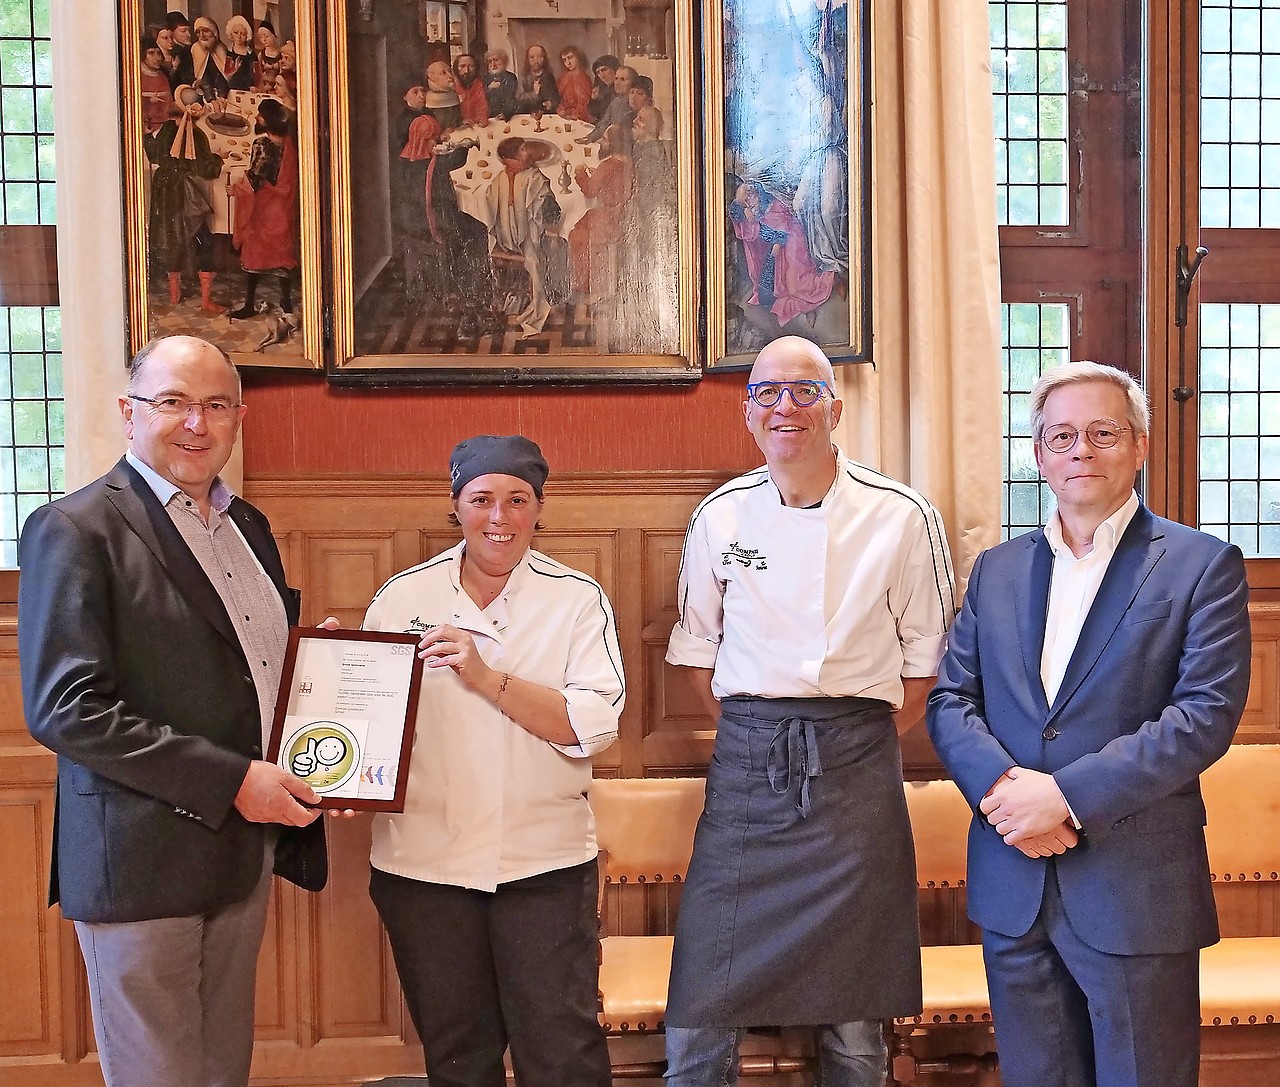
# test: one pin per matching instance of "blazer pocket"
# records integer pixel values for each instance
(1179, 812)
(1148, 612)
(87, 783)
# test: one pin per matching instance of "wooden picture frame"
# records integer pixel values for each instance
(430, 284)
(357, 692)
(193, 246)
(787, 95)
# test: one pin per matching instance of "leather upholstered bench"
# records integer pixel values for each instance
(1239, 976)
(645, 829)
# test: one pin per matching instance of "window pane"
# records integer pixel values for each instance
(32, 423)
(1035, 338)
(1239, 425)
(1239, 114)
(1029, 83)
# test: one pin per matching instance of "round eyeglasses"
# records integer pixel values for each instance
(804, 394)
(1102, 434)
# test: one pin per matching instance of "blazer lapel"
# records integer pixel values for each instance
(1136, 556)
(142, 511)
(1031, 601)
(264, 547)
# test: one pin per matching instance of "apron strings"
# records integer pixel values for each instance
(794, 762)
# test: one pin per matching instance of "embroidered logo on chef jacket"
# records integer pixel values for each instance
(744, 556)
(417, 626)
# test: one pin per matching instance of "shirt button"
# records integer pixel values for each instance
(1049, 733)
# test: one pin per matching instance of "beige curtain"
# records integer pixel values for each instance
(90, 238)
(91, 252)
(929, 413)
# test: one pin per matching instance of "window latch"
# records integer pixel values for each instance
(1186, 276)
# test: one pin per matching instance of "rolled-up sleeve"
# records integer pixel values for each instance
(925, 597)
(594, 688)
(695, 639)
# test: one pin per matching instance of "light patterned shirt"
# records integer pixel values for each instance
(252, 601)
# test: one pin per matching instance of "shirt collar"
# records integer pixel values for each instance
(219, 493)
(1105, 537)
(821, 503)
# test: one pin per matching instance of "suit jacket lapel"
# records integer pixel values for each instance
(264, 547)
(1031, 601)
(1136, 555)
(142, 511)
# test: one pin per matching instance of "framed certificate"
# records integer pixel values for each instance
(345, 715)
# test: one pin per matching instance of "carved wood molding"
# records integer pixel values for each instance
(568, 484)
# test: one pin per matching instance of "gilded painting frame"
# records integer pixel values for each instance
(281, 322)
(409, 308)
(787, 122)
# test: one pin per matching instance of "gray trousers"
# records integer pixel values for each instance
(172, 998)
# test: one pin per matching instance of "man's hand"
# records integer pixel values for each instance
(269, 794)
(1024, 805)
(1055, 842)
(915, 694)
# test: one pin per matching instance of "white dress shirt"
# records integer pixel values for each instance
(1072, 590)
(845, 598)
(487, 802)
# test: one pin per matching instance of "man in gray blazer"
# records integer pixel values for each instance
(152, 620)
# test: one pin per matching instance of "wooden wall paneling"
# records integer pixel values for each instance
(626, 757)
(13, 732)
(352, 962)
(31, 1013)
(342, 572)
(1261, 720)
(276, 987)
(1248, 908)
(678, 735)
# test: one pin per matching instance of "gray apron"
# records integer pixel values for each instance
(800, 907)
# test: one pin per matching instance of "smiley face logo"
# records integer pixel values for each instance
(324, 754)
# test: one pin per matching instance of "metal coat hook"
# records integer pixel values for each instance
(1186, 275)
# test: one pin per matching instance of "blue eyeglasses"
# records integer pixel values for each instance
(804, 394)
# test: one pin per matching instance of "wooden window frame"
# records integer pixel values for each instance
(1243, 266)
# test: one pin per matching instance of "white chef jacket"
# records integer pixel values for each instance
(487, 802)
(845, 598)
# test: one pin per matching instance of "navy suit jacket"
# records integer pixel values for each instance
(1151, 697)
(134, 675)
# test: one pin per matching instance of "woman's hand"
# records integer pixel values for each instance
(446, 646)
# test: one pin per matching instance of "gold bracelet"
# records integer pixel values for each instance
(506, 677)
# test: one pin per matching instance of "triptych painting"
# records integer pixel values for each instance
(473, 192)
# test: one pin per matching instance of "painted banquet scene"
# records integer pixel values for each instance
(515, 168)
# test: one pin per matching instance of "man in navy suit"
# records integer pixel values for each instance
(152, 621)
(1096, 668)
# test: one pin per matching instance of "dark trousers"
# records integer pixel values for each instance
(517, 967)
(1068, 1015)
